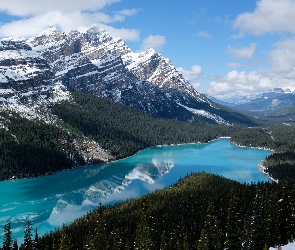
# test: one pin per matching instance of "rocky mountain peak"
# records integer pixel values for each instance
(96, 36)
(48, 36)
(103, 65)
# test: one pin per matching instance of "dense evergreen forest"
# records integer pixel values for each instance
(124, 130)
(33, 148)
(201, 211)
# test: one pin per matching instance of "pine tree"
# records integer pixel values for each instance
(211, 228)
(7, 239)
(183, 236)
(271, 229)
(164, 244)
(27, 245)
(285, 215)
(65, 243)
(256, 239)
(203, 243)
(233, 225)
(36, 240)
(15, 245)
(143, 238)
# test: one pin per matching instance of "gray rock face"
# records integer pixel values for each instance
(22, 70)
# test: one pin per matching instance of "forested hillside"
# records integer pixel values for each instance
(32, 147)
(201, 211)
(124, 130)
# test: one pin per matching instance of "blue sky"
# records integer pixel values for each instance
(225, 48)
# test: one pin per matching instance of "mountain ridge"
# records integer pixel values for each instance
(102, 65)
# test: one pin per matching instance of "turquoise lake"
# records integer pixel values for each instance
(51, 201)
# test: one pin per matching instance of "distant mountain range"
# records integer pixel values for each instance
(37, 71)
(277, 104)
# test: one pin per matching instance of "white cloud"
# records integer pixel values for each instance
(241, 84)
(156, 42)
(196, 85)
(65, 15)
(35, 7)
(234, 65)
(270, 16)
(204, 34)
(191, 75)
(243, 52)
(282, 57)
(281, 74)
(219, 88)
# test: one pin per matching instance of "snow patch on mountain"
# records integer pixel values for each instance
(36, 107)
(206, 114)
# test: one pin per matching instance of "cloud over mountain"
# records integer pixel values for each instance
(34, 16)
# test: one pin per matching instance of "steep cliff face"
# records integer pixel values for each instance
(22, 70)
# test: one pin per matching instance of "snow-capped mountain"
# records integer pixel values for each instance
(97, 63)
(271, 100)
(276, 104)
(22, 69)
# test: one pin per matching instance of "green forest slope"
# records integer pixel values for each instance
(33, 148)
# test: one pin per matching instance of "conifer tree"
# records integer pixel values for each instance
(27, 245)
(36, 240)
(15, 245)
(233, 225)
(65, 243)
(211, 228)
(183, 236)
(142, 236)
(164, 244)
(203, 243)
(285, 214)
(256, 239)
(7, 239)
(271, 223)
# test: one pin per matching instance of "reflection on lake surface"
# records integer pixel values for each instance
(51, 201)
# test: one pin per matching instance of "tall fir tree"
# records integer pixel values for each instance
(203, 243)
(65, 242)
(286, 214)
(28, 244)
(36, 241)
(233, 224)
(271, 223)
(142, 235)
(256, 239)
(15, 245)
(7, 238)
(211, 228)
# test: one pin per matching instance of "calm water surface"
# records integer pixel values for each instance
(51, 201)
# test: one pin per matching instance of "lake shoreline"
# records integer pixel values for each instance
(260, 165)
